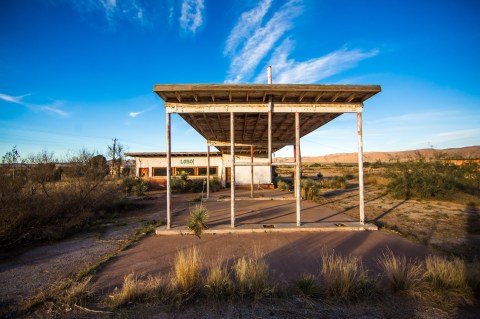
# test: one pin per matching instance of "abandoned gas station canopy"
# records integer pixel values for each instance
(207, 108)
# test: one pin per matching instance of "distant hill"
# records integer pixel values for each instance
(472, 152)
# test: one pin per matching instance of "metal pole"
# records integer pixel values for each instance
(232, 175)
(270, 107)
(208, 171)
(251, 171)
(297, 168)
(169, 171)
(360, 168)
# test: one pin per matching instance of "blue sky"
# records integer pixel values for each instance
(75, 74)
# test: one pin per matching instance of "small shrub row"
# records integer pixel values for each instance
(247, 278)
(184, 184)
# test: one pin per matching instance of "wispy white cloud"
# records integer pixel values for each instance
(259, 43)
(135, 114)
(191, 17)
(54, 107)
(459, 135)
(247, 23)
(114, 9)
(287, 70)
(13, 99)
(252, 40)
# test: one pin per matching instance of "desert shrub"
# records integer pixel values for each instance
(435, 179)
(345, 278)
(218, 284)
(284, 186)
(197, 219)
(251, 277)
(215, 184)
(319, 175)
(338, 182)
(310, 189)
(186, 273)
(140, 187)
(37, 206)
(134, 185)
(404, 276)
(307, 285)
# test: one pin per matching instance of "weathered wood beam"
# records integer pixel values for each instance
(244, 126)
(335, 97)
(300, 98)
(196, 124)
(263, 107)
(351, 97)
(208, 125)
(195, 96)
(318, 96)
(256, 125)
(284, 95)
(247, 144)
(213, 97)
(163, 96)
(179, 98)
(220, 125)
(230, 96)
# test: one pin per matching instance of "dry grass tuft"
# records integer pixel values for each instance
(138, 289)
(345, 278)
(404, 276)
(448, 281)
(61, 295)
(218, 284)
(186, 272)
(252, 277)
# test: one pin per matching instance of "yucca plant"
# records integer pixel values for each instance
(307, 285)
(197, 219)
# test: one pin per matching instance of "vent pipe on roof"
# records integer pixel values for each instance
(269, 71)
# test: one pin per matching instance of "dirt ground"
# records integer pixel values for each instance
(288, 255)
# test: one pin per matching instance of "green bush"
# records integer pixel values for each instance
(134, 185)
(437, 179)
(310, 189)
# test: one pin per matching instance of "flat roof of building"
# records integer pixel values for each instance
(173, 154)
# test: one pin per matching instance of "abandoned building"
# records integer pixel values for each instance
(247, 123)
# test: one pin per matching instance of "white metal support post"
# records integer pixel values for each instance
(208, 171)
(169, 171)
(297, 167)
(251, 171)
(360, 168)
(232, 170)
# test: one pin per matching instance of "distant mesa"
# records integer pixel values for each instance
(470, 152)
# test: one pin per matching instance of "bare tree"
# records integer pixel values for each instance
(116, 153)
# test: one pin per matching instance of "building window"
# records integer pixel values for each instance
(202, 171)
(185, 170)
(143, 172)
(159, 171)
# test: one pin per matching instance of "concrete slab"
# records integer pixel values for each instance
(270, 211)
(270, 228)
